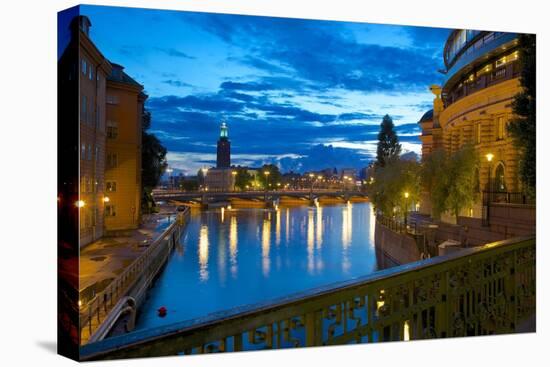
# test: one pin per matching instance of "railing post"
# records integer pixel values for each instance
(313, 332)
(442, 313)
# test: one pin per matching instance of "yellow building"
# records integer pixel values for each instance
(93, 69)
(124, 109)
(474, 106)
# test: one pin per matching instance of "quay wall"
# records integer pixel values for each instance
(398, 247)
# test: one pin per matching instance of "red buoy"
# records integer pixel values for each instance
(162, 311)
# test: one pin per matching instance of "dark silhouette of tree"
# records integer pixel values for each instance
(523, 127)
(388, 144)
(153, 160)
(269, 181)
(243, 178)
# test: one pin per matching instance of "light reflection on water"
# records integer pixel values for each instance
(237, 257)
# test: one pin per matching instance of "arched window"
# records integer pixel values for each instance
(500, 183)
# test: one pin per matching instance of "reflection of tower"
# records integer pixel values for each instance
(224, 149)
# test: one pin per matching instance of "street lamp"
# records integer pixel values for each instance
(406, 194)
(266, 174)
(204, 171)
(234, 174)
(489, 157)
(80, 204)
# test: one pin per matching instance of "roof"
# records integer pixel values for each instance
(428, 116)
(118, 75)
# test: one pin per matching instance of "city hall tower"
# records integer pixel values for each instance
(224, 149)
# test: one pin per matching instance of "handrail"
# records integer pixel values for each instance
(94, 312)
(425, 299)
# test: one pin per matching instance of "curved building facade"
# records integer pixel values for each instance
(474, 106)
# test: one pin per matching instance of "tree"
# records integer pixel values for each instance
(391, 185)
(523, 127)
(450, 180)
(269, 181)
(243, 178)
(388, 144)
(435, 180)
(462, 182)
(153, 160)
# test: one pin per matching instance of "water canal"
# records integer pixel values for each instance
(243, 256)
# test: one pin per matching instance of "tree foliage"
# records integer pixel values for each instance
(388, 145)
(269, 181)
(243, 178)
(451, 180)
(390, 185)
(153, 159)
(523, 127)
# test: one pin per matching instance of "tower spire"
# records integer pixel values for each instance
(223, 130)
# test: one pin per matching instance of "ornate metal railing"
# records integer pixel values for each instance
(94, 311)
(478, 291)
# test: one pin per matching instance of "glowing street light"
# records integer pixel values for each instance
(234, 174)
(106, 199)
(489, 156)
(80, 204)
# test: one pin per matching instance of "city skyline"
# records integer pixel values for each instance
(284, 103)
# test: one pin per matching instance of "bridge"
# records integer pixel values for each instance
(483, 290)
(206, 197)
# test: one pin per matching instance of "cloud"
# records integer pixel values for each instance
(176, 83)
(175, 53)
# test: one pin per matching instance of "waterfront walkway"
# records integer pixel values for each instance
(104, 259)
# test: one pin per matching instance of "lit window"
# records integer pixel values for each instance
(501, 61)
(110, 186)
(91, 75)
(501, 127)
(83, 151)
(84, 67)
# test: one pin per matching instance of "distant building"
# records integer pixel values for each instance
(219, 179)
(224, 149)
(348, 172)
(124, 110)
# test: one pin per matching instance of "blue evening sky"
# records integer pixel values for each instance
(304, 94)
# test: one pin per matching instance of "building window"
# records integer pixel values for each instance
(110, 186)
(88, 186)
(83, 151)
(501, 127)
(112, 99)
(97, 153)
(83, 184)
(84, 67)
(112, 160)
(90, 152)
(91, 74)
(84, 108)
(110, 210)
(112, 129)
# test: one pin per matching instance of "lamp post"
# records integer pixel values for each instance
(489, 157)
(406, 194)
(266, 174)
(234, 174)
(204, 171)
